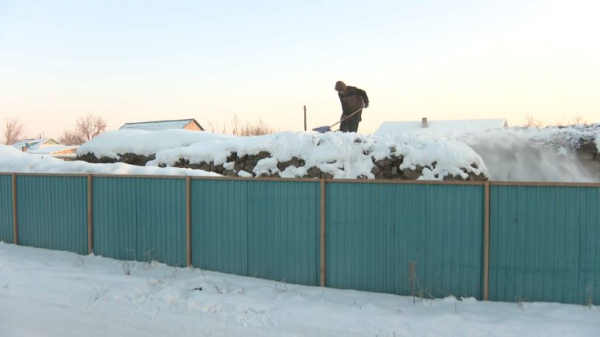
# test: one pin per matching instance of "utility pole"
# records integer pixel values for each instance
(305, 118)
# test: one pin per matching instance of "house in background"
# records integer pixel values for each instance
(31, 144)
(46, 146)
(179, 124)
(426, 127)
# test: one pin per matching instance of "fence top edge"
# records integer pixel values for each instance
(316, 180)
(153, 176)
(28, 174)
(413, 182)
(542, 184)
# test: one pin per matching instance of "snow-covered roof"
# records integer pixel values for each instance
(440, 127)
(33, 144)
(161, 125)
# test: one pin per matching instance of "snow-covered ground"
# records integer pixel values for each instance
(15, 161)
(51, 293)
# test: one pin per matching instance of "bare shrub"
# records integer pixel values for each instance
(150, 263)
(13, 132)
(126, 269)
(519, 300)
(578, 119)
(532, 122)
(212, 128)
(201, 271)
(250, 129)
(415, 285)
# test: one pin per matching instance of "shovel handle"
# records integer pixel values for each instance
(343, 119)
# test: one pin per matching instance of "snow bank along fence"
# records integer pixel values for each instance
(496, 241)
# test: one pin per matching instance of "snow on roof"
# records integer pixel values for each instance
(33, 144)
(159, 125)
(440, 127)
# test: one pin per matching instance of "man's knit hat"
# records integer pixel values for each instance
(340, 86)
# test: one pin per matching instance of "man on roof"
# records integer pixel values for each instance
(353, 101)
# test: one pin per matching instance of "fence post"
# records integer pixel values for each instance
(322, 271)
(90, 218)
(305, 118)
(486, 242)
(14, 200)
(188, 220)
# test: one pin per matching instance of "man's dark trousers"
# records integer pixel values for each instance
(351, 124)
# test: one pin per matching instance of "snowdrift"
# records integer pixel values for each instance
(552, 154)
(291, 155)
(15, 161)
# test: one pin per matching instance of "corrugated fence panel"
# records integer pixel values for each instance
(220, 225)
(375, 230)
(6, 209)
(266, 229)
(545, 244)
(284, 231)
(140, 219)
(52, 212)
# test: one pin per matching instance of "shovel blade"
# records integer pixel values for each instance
(322, 129)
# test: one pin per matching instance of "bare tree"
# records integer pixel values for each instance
(71, 138)
(13, 131)
(90, 126)
(86, 128)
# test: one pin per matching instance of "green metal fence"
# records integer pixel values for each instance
(519, 242)
(6, 209)
(545, 244)
(405, 238)
(140, 219)
(52, 212)
(265, 229)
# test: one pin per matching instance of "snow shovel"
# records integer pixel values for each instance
(327, 128)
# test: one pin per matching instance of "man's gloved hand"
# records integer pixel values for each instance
(366, 105)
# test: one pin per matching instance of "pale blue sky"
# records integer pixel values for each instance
(143, 60)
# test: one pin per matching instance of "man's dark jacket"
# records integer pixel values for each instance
(352, 100)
